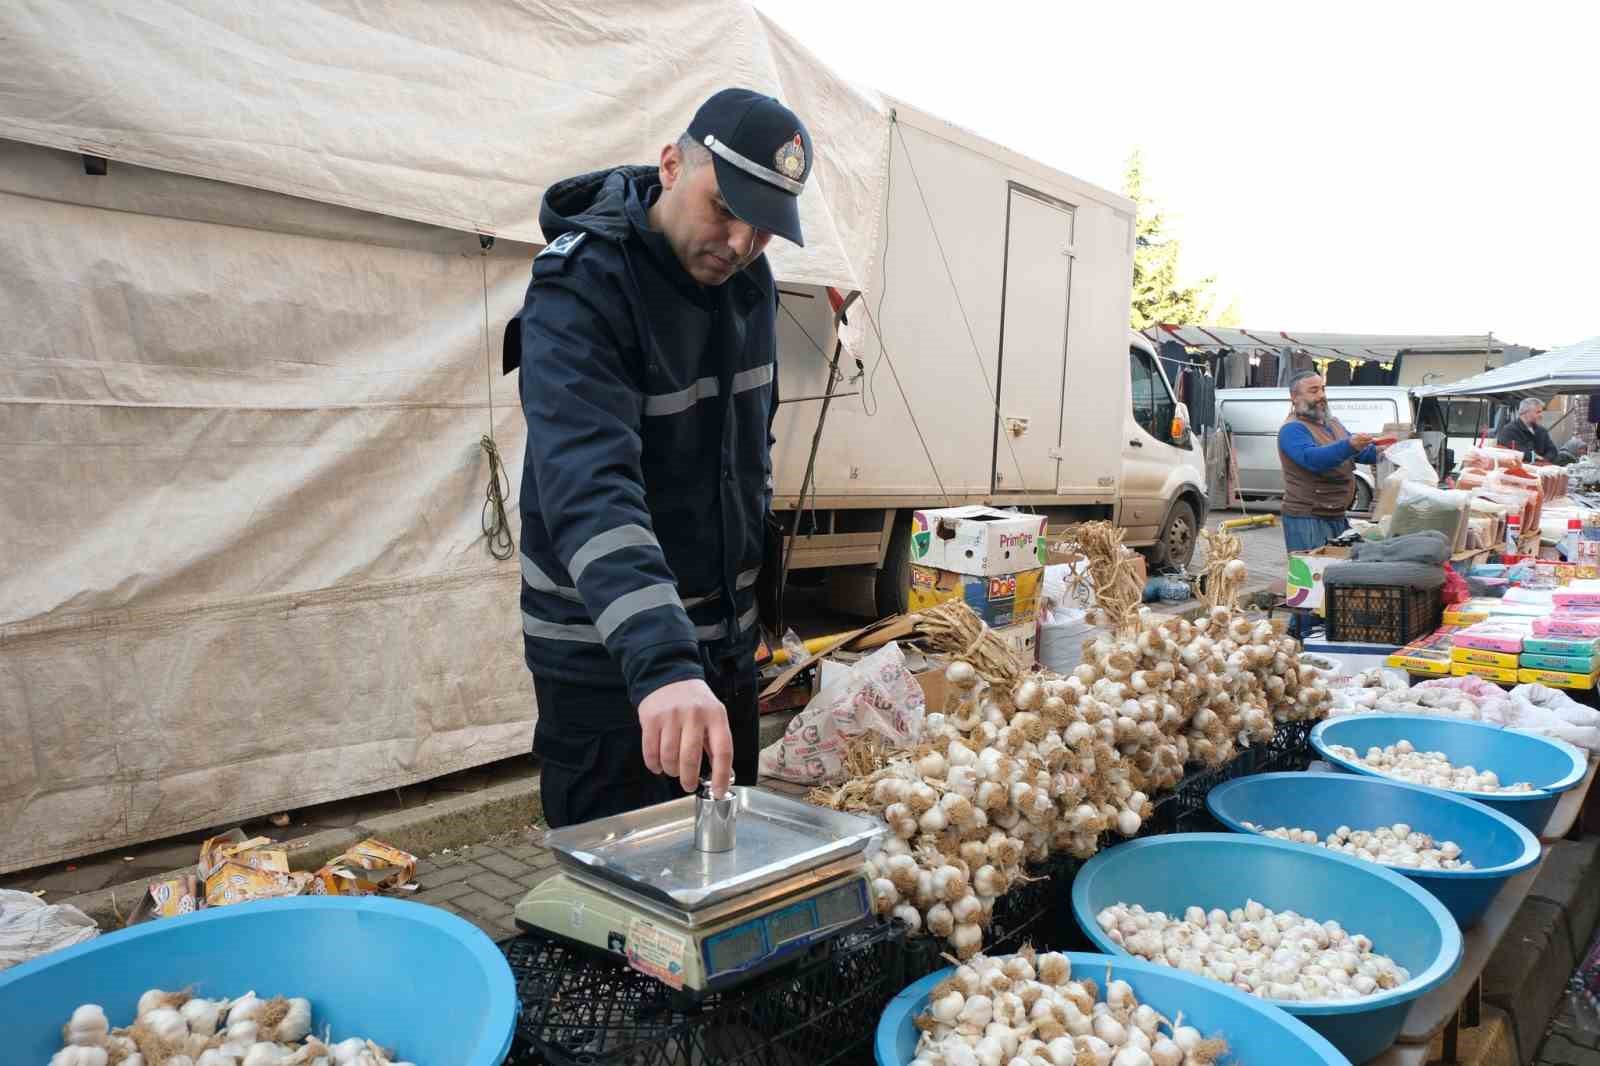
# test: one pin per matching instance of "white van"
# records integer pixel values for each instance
(1255, 415)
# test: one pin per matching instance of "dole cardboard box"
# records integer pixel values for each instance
(978, 540)
(1001, 600)
(1022, 640)
(1303, 584)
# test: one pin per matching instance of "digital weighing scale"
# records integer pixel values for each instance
(643, 886)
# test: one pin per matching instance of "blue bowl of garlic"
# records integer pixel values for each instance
(1097, 1008)
(1461, 851)
(418, 982)
(1342, 944)
(1519, 774)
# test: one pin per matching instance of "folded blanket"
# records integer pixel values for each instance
(1429, 546)
(1405, 575)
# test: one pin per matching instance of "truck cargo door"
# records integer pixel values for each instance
(1033, 342)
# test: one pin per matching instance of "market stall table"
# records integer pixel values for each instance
(1455, 1004)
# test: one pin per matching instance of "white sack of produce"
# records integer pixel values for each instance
(30, 927)
(878, 695)
(1552, 713)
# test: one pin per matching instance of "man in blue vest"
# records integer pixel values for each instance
(648, 346)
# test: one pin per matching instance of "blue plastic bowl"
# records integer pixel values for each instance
(1256, 1031)
(1172, 873)
(1498, 847)
(407, 976)
(1550, 766)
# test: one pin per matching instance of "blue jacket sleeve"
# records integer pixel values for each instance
(1298, 444)
(584, 412)
(1369, 455)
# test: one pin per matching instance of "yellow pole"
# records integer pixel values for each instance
(1253, 520)
(780, 656)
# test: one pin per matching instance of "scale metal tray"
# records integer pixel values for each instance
(651, 852)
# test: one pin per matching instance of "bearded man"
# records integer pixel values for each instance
(1319, 457)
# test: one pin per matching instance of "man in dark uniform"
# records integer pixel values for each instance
(1524, 433)
(648, 345)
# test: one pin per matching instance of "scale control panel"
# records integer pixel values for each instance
(784, 931)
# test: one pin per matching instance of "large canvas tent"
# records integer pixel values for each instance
(246, 371)
(1574, 368)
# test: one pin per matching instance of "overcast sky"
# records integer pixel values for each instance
(1398, 167)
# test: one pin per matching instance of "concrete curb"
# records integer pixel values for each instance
(422, 830)
(1527, 974)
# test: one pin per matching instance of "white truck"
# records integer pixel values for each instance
(990, 362)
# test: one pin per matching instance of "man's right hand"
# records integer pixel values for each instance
(1360, 442)
(680, 722)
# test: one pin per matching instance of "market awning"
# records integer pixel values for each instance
(1357, 347)
(1575, 368)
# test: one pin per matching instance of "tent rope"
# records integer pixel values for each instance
(496, 528)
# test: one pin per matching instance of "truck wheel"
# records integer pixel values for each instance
(1175, 547)
(894, 579)
(1363, 497)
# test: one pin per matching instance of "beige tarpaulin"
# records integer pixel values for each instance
(244, 570)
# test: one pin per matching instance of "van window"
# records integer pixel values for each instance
(1153, 405)
(1462, 417)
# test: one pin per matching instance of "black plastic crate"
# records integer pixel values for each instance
(1288, 750)
(581, 1008)
(1382, 614)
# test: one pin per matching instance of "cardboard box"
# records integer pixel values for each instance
(1303, 585)
(1000, 600)
(977, 540)
(167, 899)
(1481, 657)
(1555, 678)
(1504, 675)
(366, 869)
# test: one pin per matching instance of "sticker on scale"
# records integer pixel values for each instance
(657, 952)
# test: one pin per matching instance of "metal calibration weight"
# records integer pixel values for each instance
(716, 819)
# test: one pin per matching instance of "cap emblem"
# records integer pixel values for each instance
(791, 158)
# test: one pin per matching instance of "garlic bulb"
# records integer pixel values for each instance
(1431, 768)
(78, 1055)
(1396, 845)
(88, 1026)
(1027, 1010)
(1273, 955)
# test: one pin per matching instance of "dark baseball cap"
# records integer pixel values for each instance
(762, 153)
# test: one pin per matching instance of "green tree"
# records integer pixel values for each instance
(1158, 294)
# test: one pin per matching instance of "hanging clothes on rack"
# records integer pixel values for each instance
(1369, 373)
(1237, 365)
(1338, 373)
(1290, 363)
(1266, 370)
(1174, 357)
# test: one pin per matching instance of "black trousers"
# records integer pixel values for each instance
(590, 745)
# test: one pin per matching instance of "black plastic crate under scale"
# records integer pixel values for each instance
(581, 1008)
(1382, 614)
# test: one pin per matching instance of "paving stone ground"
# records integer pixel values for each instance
(483, 882)
(1573, 1038)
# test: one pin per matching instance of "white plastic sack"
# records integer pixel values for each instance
(1552, 713)
(1410, 460)
(878, 694)
(30, 927)
(1061, 640)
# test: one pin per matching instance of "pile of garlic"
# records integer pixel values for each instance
(1274, 955)
(1393, 845)
(1431, 768)
(1007, 777)
(177, 1029)
(1027, 1011)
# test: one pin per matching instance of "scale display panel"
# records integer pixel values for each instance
(792, 927)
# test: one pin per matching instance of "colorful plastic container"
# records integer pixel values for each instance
(412, 978)
(1405, 922)
(1551, 766)
(1498, 847)
(1256, 1031)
